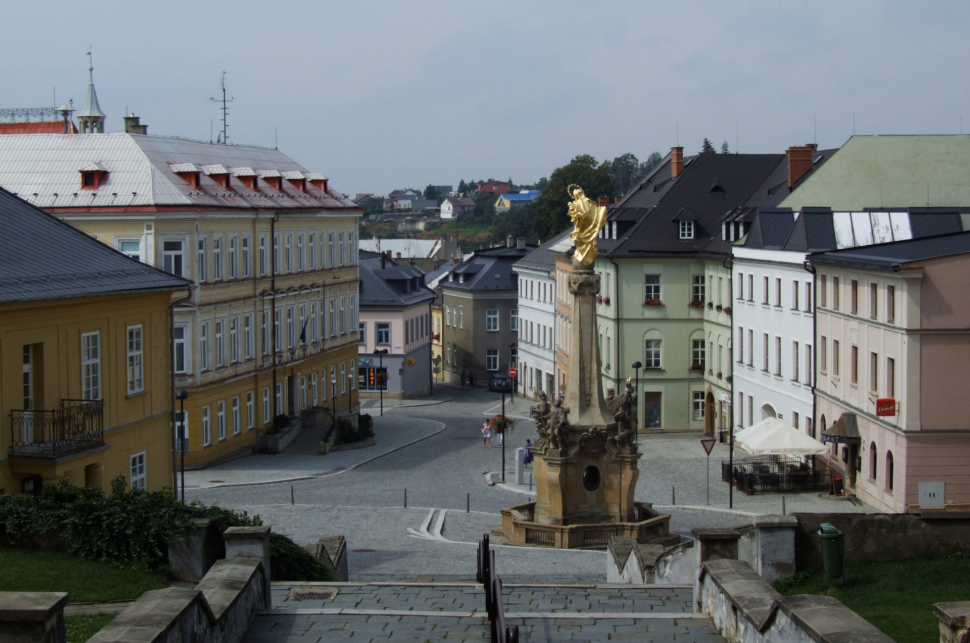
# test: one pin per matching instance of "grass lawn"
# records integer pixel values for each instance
(83, 626)
(26, 570)
(897, 597)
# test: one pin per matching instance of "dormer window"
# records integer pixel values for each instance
(297, 179)
(247, 176)
(219, 174)
(272, 178)
(189, 173)
(686, 229)
(318, 181)
(92, 176)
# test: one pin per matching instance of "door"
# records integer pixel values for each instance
(28, 383)
(709, 414)
(652, 407)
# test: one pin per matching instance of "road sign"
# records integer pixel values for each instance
(513, 372)
(708, 444)
(562, 387)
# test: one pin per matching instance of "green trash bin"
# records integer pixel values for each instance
(833, 550)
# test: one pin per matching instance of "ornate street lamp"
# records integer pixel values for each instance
(181, 396)
(333, 403)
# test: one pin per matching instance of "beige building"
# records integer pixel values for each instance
(893, 360)
(270, 326)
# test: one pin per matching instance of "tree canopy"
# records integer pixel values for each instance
(551, 215)
(707, 147)
(627, 170)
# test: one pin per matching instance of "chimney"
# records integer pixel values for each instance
(509, 242)
(132, 126)
(520, 243)
(616, 199)
(603, 201)
(799, 162)
(676, 161)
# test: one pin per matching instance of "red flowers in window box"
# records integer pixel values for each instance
(697, 304)
(606, 300)
(436, 336)
(697, 366)
(727, 310)
(599, 299)
(652, 302)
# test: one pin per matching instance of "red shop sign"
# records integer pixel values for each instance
(885, 406)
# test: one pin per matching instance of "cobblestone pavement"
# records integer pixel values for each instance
(455, 611)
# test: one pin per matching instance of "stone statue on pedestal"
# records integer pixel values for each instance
(625, 414)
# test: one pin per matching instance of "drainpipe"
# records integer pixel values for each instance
(810, 268)
(272, 321)
(171, 350)
(729, 265)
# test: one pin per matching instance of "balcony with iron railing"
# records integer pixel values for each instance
(78, 425)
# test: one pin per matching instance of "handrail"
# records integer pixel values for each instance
(493, 596)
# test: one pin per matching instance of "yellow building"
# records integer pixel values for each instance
(271, 324)
(85, 376)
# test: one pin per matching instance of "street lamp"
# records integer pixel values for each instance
(350, 391)
(181, 396)
(513, 363)
(333, 404)
(636, 369)
(504, 421)
(381, 376)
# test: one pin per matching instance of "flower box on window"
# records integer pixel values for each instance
(697, 304)
(606, 300)
(727, 310)
(436, 336)
(599, 299)
(652, 302)
(697, 366)
(719, 375)
(710, 305)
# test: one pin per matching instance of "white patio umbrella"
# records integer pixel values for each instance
(771, 436)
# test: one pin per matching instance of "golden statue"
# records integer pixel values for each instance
(588, 219)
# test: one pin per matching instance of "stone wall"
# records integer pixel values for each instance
(882, 536)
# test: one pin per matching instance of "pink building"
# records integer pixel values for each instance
(893, 361)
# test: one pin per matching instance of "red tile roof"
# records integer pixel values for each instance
(37, 127)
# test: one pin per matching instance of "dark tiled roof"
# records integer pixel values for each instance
(487, 270)
(385, 284)
(543, 257)
(41, 257)
(770, 229)
(889, 255)
(929, 223)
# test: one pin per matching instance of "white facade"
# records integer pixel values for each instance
(537, 322)
(773, 326)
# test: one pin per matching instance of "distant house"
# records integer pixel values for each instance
(453, 207)
(426, 254)
(495, 187)
(408, 201)
(443, 190)
(506, 202)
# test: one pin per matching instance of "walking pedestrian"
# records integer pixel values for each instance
(487, 433)
(528, 457)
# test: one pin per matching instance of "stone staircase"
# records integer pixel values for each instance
(429, 609)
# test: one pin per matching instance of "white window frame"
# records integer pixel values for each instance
(249, 336)
(303, 323)
(290, 336)
(236, 421)
(514, 320)
(220, 341)
(234, 346)
(91, 366)
(698, 404)
(247, 245)
(221, 420)
(134, 254)
(311, 245)
(181, 347)
(686, 230)
(233, 256)
(333, 316)
(300, 251)
(138, 471)
(172, 257)
(218, 267)
(380, 328)
(206, 427)
(343, 250)
(202, 259)
(204, 353)
(651, 289)
(263, 250)
(653, 354)
(265, 336)
(266, 407)
(250, 409)
(343, 315)
(136, 359)
(491, 359)
(491, 320)
(288, 252)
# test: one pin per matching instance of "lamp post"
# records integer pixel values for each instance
(514, 364)
(333, 404)
(181, 396)
(350, 392)
(381, 352)
(636, 369)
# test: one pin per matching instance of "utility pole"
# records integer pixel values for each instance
(225, 109)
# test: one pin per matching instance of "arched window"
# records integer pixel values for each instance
(889, 470)
(872, 461)
(653, 350)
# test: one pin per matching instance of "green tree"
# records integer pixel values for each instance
(652, 161)
(462, 187)
(430, 193)
(624, 172)
(551, 214)
(724, 148)
(707, 147)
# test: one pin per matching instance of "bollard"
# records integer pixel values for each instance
(292, 496)
(673, 496)
(519, 466)
(405, 497)
(530, 481)
(468, 503)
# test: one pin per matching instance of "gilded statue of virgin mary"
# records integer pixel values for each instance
(588, 219)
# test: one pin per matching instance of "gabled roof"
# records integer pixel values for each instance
(38, 127)
(73, 265)
(886, 256)
(461, 201)
(141, 173)
(531, 195)
(543, 257)
(487, 270)
(385, 284)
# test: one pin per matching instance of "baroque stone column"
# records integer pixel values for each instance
(584, 392)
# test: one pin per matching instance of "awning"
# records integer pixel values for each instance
(845, 430)
(771, 436)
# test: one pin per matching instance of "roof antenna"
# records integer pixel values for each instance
(276, 138)
(677, 137)
(735, 137)
(853, 123)
(225, 109)
(815, 120)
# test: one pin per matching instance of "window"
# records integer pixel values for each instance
(651, 288)
(698, 404)
(312, 322)
(778, 292)
(311, 246)
(301, 252)
(740, 345)
(740, 286)
(131, 247)
(835, 293)
(136, 379)
(234, 339)
(303, 323)
(172, 260)
(794, 362)
(889, 471)
(808, 365)
(206, 427)
(323, 319)
(343, 377)
(353, 311)
(740, 408)
(314, 388)
(362, 333)
(764, 365)
(290, 327)
(854, 365)
(696, 354)
(750, 348)
(288, 252)
(836, 354)
(383, 336)
(263, 263)
(330, 253)
(823, 284)
(181, 356)
(333, 317)
(236, 424)
(873, 301)
(91, 366)
(352, 247)
(217, 265)
(221, 420)
(795, 419)
(204, 356)
(343, 250)
(350, 378)
(854, 294)
(514, 320)
(491, 320)
(250, 409)
(872, 461)
(686, 229)
(220, 343)
(810, 427)
(461, 317)
(491, 359)
(202, 259)
(267, 343)
(266, 409)
(890, 304)
(697, 289)
(794, 295)
(233, 256)
(750, 410)
(823, 355)
(873, 372)
(751, 288)
(343, 315)
(247, 269)
(372, 379)
(249, 338)
(890, 378)
(278, 400)
(652, 349)
(138, 477)
(764, 299)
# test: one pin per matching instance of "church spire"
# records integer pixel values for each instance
(91, 118)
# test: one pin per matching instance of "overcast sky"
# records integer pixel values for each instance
(383, 95)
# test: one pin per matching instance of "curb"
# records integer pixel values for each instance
(720, 510)
(508, 486)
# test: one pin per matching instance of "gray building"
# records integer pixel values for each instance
(395, 315)
(480, 314)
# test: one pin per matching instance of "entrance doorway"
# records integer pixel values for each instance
(709, 414)
(652, 408)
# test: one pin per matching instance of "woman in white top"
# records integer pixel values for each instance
(487, 433)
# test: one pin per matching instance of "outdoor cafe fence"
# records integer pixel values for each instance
(774, 473)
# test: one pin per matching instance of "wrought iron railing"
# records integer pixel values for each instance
(77, 426)
(18, 114)
(493, 596)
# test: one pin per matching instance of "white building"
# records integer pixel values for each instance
(453, 207)
(537, 317)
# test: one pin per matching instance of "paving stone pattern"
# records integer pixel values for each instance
(378, 612)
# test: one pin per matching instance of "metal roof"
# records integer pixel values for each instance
(73, 263)
(885, 256)
(141, 171)
(404, 248)
(384, 284)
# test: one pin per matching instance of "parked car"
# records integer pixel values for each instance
(500, 382)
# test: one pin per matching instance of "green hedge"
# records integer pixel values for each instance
(131, 528)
